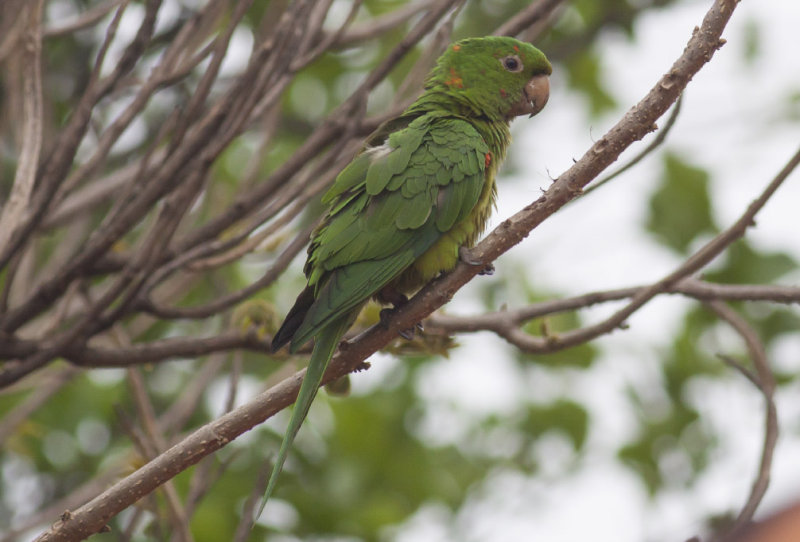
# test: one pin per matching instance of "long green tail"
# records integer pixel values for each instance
(325, 345)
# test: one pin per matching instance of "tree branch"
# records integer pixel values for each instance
(506, 323)
(25, 175)
(88, 18)
(533, 14)
(91, 517)
(764, 381)
(661, 136)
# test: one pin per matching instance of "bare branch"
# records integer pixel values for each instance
(14, 30)
(661, 136)
(533, 14)
(227, 301)
(251, 504)
(180, 411)
(88, 18)
(53, 382)
(165, 349)
(506, 322)
(635, 124)
(154, 444)
(694, 263)
(63, 153)
(765, 382)
(28, 162)
(379, 25)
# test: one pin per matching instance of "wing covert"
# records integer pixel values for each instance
(389, 206)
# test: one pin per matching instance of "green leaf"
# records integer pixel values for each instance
(743, 264)
(680, 210)
(563, 416)
(584, 71)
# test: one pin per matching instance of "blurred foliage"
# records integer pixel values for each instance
(671, 446)
(680, 210)
(744, 264)
(585, 73)
(361, 465)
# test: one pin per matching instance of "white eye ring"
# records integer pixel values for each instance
(512, 63)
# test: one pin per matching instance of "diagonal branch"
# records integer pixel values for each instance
(90, 17)
(640, 120)
(657, 141)
(533, 14)
(25, 176)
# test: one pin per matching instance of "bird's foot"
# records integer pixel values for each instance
(465, 255)
(384, 316)
(390, 295)
(408, 334)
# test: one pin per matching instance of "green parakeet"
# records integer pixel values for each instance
(422, 187)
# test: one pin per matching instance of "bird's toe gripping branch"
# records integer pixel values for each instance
(389, 295)
(465, 255)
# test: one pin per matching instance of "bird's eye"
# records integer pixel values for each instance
(512, 63)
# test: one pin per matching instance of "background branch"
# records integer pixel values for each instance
(633, 126)
(167, 165)
(764, 381)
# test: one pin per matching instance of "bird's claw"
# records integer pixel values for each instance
(408, 334)
(465, 255)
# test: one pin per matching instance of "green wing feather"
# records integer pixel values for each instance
(388, 207)
(398, 212)
(401, 206)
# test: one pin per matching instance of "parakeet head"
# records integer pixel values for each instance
(499, 77)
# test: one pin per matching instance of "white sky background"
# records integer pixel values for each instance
(731, 124)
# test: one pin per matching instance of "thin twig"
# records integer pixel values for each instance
(329, 39)
(154, 444)
(52, 384)
(764, 381)
(379, 25)
(186, 404)
(693, 264)
(226, 301)
(65, 147)
(503, 321)
(248, 518)
(90, 17)
(661, 136)
(206, 440)
(531, 15)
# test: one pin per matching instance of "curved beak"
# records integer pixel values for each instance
(536, 93)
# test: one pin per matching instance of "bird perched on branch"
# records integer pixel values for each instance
(421, 189)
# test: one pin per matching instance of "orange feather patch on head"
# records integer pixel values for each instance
(503, 92)
(516, 48)
(488, 159)
(456, 47)
(454, 80)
